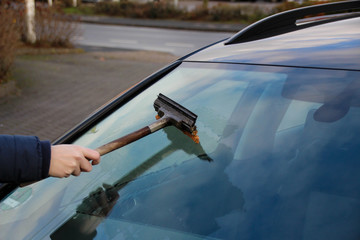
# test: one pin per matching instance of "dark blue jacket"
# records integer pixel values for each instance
(23, 158)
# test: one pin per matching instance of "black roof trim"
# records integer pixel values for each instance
(287, 21)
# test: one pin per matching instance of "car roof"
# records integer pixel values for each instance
(332, 44)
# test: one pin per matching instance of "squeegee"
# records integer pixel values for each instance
(169, 113)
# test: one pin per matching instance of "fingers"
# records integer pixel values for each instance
(84, 165)
(92, 155)
(69, 160)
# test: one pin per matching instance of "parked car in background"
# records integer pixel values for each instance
(278, 108)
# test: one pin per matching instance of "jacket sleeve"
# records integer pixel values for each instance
(23, 158)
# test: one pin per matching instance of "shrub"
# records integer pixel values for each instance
(284, 6)
(161, 10)
(9, 36)
(225, 12)
(108, 8)
(254, 14)
(124, 8)
(53, 28)
(199, 13)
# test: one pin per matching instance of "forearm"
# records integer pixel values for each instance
(23, 158)
(26, 158)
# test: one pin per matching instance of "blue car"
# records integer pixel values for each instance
(278, 108)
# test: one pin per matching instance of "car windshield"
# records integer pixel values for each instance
(277, 159)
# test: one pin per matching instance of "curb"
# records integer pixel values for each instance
(170, 24)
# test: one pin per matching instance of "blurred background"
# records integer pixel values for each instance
(60, 60)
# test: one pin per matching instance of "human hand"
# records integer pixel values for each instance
(69, 160)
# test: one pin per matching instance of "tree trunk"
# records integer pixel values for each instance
(30, 21)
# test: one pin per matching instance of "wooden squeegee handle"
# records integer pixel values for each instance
(111, 146)
(131, 137)
(123, 141)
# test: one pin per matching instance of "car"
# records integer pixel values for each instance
(278, 118)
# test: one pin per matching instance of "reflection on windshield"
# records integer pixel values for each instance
(135, 201)
(266, 167)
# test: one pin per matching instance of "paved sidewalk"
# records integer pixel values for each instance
(59, 91)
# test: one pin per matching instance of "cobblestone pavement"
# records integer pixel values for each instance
(58, 91)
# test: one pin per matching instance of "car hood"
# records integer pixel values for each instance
(332, 45)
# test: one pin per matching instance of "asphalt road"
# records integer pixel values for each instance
(176, 42)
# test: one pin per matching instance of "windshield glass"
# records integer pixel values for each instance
(277, 159)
